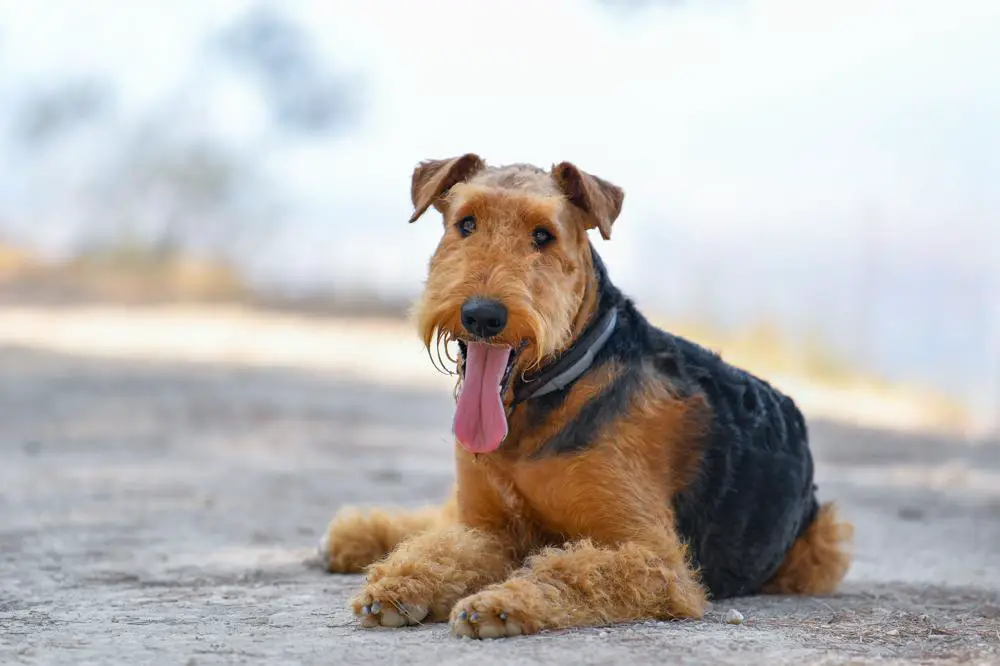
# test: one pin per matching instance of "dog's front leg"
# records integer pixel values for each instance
(585, 585)
(424, 576)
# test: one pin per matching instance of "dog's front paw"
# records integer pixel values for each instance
(393, 600)
(490, 614)
(382, 611)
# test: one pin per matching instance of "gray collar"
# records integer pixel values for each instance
(572, 364)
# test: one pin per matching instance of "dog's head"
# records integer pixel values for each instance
(512, 278)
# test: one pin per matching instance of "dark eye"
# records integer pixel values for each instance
(466, 225)
(541, 237)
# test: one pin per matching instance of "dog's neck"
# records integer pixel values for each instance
(595, 325)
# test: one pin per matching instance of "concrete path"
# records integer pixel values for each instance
(163, 513)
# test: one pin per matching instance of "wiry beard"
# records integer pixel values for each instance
(538, 339)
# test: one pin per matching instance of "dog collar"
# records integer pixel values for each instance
(572, 364)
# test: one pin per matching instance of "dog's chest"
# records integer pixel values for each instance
(524, 502)
(556, 502)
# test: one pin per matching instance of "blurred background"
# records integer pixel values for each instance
(812, 187)
(206, 272)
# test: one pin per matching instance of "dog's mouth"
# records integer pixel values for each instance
(480, 419)
(463, 346)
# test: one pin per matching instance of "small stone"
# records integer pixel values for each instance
(734, 617)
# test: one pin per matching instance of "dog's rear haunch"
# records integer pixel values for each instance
(607, 471)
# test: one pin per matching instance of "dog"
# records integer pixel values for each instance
(606, 471)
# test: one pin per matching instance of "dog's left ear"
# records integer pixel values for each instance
(599, 199)
(433, 178)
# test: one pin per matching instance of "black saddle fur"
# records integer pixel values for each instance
(753, 494)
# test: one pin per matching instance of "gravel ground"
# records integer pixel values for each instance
(167, 513)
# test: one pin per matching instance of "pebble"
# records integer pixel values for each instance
(734, 616)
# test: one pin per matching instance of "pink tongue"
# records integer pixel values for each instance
(480, 421)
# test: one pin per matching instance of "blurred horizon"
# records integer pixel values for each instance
(828, 168)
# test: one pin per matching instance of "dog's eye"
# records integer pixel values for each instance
(541, 237)
(466, 225)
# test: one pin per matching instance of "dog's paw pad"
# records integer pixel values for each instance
(379, 613)
(474, 618)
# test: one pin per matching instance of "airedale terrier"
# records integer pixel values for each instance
(607, 471)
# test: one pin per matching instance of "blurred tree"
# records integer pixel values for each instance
(168, 193)
(164, 182)
(44, 114)
(303, 93)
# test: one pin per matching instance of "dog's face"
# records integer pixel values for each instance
(509, 280)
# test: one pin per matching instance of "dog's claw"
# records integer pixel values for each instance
(377, 613)
(479, 622)
(463, 630)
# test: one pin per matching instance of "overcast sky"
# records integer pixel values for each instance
(781, 137)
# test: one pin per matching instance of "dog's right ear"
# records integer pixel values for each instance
(433, 178)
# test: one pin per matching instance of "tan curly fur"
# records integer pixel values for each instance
(357, 539)
(587, 585)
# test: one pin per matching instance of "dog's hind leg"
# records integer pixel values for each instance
(355, 539)
(818, 560)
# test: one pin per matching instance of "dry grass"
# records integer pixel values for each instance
(765, 346)
(805, 367)
(16, 261)
(119, 275)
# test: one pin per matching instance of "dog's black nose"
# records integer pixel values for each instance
(484, 317)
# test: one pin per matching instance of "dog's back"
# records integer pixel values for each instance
(753, 495)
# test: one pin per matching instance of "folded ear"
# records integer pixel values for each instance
(433, 178)
(599, 199)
